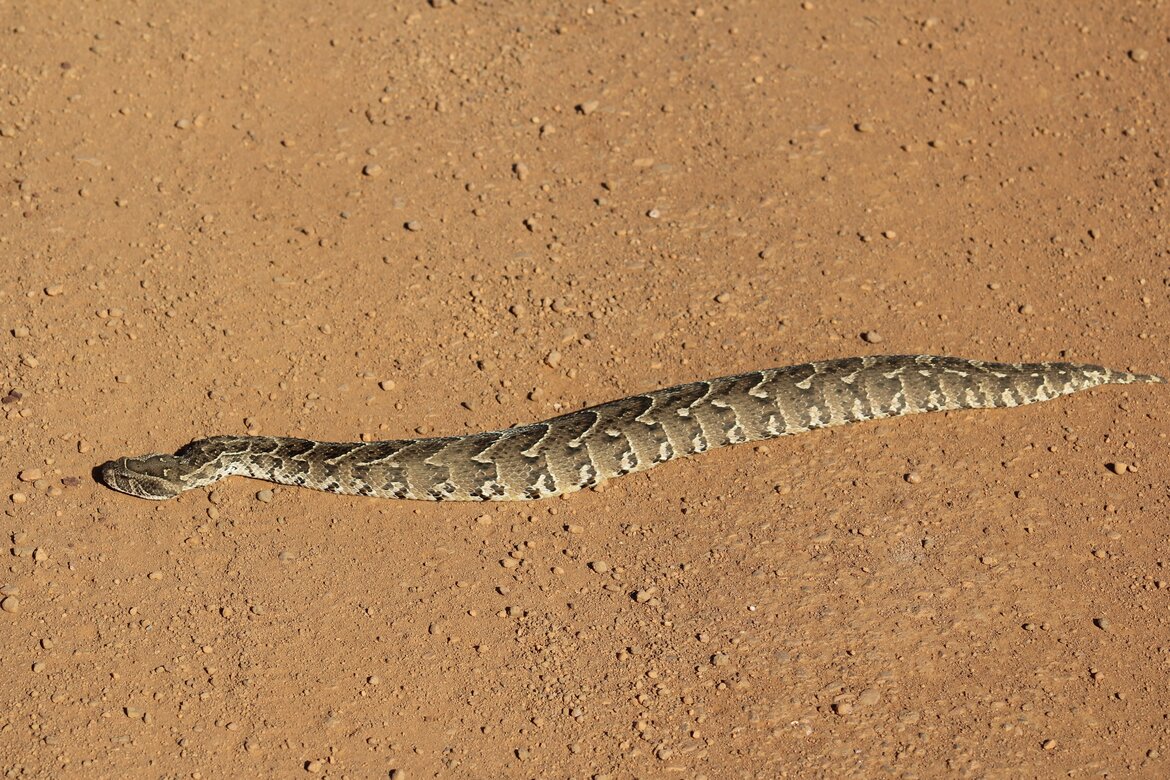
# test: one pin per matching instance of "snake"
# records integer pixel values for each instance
(584, 448)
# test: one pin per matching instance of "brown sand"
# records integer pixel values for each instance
(383, 220)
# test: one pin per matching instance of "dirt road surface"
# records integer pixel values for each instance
(385, 220)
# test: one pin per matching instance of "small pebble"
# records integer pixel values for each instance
(413, 226)
(872, 337)
(1048, 744)
(10, 604)
(864, 127)
(913, 478)
(371, 170)
(601, 567)
(1139, 55)
(1117, 468)
(723, 297)
(521, 171)
(588, 107)
(397, 774)
(54, 290)
(31, 475)
(843, 708)
(264, 496)
(386, 384)
(720, 659)
(1102, 623)
(1026, 309)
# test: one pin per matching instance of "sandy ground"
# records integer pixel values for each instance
(384, 220)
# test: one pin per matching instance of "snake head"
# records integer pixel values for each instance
(157, 477)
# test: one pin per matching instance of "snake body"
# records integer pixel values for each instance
(584, 448)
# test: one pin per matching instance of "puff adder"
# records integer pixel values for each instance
(584, 448)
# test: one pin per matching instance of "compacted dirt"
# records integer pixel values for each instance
(383, 220)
